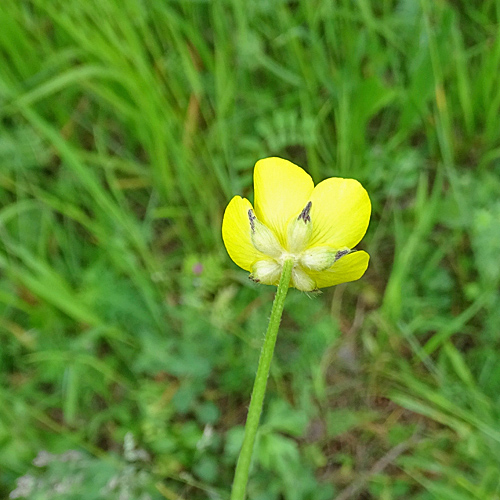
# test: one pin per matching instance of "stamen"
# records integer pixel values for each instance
(251, 218)
(304, 215)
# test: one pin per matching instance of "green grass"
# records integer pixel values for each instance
(125, 128)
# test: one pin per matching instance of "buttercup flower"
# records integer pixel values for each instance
(315, 226)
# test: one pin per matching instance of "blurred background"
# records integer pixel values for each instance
(129, 340)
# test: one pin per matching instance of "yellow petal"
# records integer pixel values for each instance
(348, 268)
(340, 213)
(237, 235)
(282, 190)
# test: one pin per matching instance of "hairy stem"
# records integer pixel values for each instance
(259, 388)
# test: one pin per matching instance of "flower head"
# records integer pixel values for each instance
(315, 226)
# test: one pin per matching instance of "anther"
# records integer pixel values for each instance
(304, 215)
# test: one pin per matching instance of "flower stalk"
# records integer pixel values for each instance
(259, 388)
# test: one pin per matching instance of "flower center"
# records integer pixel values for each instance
(306, 260)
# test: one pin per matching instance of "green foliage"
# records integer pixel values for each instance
(125, 128)
(75, 475)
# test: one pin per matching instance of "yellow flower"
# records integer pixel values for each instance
(316, 227)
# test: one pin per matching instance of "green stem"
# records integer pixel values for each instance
(259, 387)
